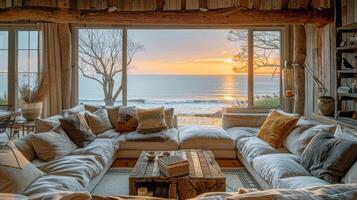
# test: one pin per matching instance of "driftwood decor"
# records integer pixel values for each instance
(299, 45)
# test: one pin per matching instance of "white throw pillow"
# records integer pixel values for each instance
(98, 121)
(151, 120)
(52, 145)
(16, 172)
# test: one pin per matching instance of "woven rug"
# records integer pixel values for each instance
(115, 182)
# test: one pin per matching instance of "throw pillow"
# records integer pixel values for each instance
(92, 108)
(24, 145)
(300, 137)
(98, 121)
(127, 120)
(77, 129)
(52, 145)
(151, 120)
(79, 108)
(276, 127)
(169, 117)
(44, 125)
(113, 114)
(16, 172)
(343, 132)
(328, 157)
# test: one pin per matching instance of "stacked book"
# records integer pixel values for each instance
(172, 166)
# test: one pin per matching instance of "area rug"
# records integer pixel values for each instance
(115, 182)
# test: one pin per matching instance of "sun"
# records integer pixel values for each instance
(228, 60)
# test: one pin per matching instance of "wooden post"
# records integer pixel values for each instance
(250, 69)
(124, 76)
(299, 56)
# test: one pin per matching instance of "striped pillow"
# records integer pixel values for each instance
(151, 120)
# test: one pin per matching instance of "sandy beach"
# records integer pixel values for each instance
(184, 120)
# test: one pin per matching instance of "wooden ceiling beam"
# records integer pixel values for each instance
(220, 17)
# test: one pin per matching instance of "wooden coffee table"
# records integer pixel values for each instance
(204, 176)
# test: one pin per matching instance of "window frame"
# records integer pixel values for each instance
(284, 53)
(13, 29)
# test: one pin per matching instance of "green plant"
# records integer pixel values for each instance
(3, 99)
(272, 102)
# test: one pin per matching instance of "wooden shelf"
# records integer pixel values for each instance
(348, 28)
(349, 96)
(347, 48)
(347, 71)
(347, 120)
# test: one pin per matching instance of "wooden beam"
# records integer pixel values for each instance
(183, 4)
(299, 56)
(220, 17)
(203, 4)
(160, 4)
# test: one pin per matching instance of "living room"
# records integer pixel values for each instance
(178, 99)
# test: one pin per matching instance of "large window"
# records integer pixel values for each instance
(4, 50)
(20, 53)
(196, 71)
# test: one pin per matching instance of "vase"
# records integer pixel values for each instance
(31, 111)
(326, 105)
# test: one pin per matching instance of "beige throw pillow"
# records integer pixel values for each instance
(24, 145)
(92, 108)
(113, 114)
(98, 121)
(52, 145)
(169, 117)
(151, 120)
(16, 172)
(127, 119)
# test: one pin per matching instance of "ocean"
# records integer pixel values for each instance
(188, 94)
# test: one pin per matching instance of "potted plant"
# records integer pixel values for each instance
(32, 96)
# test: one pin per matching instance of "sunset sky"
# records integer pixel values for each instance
(184, 52)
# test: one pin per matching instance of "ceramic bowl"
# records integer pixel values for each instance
(150, 155)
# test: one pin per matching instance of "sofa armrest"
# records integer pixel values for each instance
(230, 120)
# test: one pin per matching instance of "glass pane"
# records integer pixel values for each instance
(3, 88)
(91, 70)
(190, 70)
(3, 60)
(33, 61)
(23, 39)
(4, 40)
(33, 39)
(267, 69)
(23, 60)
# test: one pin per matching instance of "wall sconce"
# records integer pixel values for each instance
(288, 79)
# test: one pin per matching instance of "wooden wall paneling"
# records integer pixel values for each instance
(62, 3)
(225, 4)
(211, 4)
(8, 3)
(150, 5)
(266, 5)
(192, 4)
(160, 4)
(243, 3)
(350, 11)
(30, 3)
(304, 3)
(17, 3)
(112, 3)
(83, 4)
(293, 4)
(309, 86)
(126, 5)
(276, 4)
(172, 5)
(2, 4)
(284, 4)
(254, 4)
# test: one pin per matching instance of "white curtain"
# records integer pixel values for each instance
(56, 54)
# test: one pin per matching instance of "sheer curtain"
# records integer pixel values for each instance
(56, 54)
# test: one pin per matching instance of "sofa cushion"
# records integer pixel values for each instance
(300, 137)
(163, 140)
(78, 108)
(169, 117)
(297, 182)
(81, 167)
(237, 133)
(204, 137)
(328, 157)
(52, 145)
(251, 147)
(52, 183)
(92, 108)
(104, 148)
(273, 167)
(24, 145)
(77, 129)
(351, 175)
(16, 172)
(98, 121)
(277, 126)
(151, 120)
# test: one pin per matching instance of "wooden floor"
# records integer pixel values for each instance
(222, 163)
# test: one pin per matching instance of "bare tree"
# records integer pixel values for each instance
(265, 44)
(101, 59)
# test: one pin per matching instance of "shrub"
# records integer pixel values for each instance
(273, 102)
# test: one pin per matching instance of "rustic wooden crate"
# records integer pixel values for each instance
(173, 170)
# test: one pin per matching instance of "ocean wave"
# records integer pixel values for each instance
(167, 101)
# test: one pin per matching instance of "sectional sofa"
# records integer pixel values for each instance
(81, 170)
